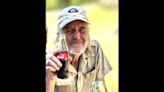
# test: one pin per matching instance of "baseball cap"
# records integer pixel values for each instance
(70, 14)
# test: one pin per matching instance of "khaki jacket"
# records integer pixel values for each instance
(92, 66)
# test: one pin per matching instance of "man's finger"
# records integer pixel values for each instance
(57, 61)
(50, 69)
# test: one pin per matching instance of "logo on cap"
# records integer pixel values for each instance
(73, 10)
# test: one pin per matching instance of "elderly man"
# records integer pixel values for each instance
(87, 60)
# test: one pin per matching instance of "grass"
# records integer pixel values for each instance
(104, 28)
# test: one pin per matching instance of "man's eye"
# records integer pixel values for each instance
(82, 30)
(69, 31)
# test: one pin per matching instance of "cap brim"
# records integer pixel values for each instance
(65, 22)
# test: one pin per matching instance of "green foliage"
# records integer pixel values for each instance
(80, 2)
(77, 2)
(58, 4)
(50, 4)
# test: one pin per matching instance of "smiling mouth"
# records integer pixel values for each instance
(77, 44)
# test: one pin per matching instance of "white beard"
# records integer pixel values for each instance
(77, 48)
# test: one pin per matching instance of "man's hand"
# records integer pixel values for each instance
(52, 66)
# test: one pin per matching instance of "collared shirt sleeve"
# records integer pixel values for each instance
(103, 65)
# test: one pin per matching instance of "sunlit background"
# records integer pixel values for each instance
(103, 15)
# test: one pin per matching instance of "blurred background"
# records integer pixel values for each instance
(103, 16)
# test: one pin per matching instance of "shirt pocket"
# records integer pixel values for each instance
(89, 77)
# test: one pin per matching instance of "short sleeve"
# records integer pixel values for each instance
(103, 65)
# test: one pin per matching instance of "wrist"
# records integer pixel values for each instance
(50, 86)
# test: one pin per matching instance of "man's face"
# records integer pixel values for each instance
(77, 36)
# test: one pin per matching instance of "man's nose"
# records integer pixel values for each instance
(76, 35)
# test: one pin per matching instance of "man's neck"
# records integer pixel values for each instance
(75, 60)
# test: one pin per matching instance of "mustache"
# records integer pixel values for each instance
(77, 41)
